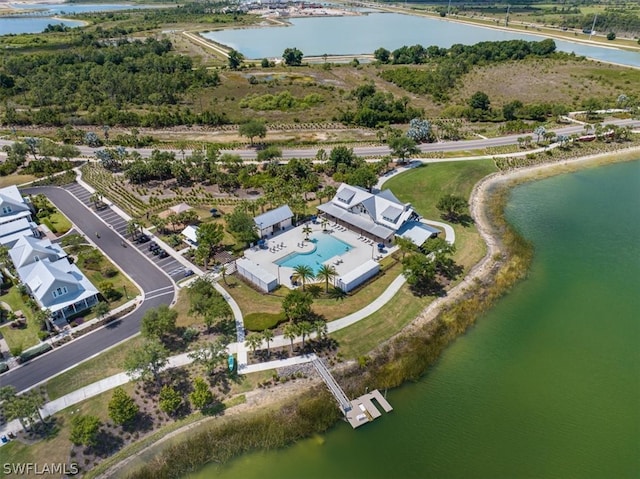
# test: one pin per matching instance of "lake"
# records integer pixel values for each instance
(546, 385)
(37, 24)
(366, 33)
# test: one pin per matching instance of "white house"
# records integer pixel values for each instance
(376, 216)
(273, 221)
(12, 231)
(28, 250)
(13, 206)
(253, 273)
(58, 286)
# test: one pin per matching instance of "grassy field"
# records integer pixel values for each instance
(15, 180)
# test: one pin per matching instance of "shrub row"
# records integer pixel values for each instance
(34, 352)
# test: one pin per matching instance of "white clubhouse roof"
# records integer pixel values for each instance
(261, 274)
(273, 217)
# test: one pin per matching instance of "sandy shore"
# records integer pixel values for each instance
(478, 202)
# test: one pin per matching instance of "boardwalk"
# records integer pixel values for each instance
(334, 387)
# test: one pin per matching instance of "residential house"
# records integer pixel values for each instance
(15, 216)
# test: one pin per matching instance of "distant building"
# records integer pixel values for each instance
(375, 216)
(190, 234)
(273, 221)
(13, 206)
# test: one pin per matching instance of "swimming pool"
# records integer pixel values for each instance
(327, 247)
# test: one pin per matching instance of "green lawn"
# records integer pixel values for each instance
(59, 222)
(424, 186)
(28, 336)
(15, 180)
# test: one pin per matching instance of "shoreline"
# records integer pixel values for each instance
(479, 207)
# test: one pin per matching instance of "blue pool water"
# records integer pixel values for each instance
(326, 247)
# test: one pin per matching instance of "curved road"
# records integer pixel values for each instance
(157, 288)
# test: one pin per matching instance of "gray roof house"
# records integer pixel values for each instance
(273, 221)
(28, 250)
(12, 231)
(376, 216)
(13, 206)
(58, 286)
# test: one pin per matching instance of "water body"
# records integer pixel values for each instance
(364, 34)
(546, 385)
(37, 24)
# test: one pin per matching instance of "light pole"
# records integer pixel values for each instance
(278, 274)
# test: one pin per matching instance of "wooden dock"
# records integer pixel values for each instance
(363, 410)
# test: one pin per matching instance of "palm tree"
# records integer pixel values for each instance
(95, 198)
(327, 272)
(324, 222)
(320, 327)
(223, 272)
(43, 317)
(290, 332)
(303, 273)
(306, 230)
(133, 227)
(159, 223)
(337, 293)
(267, 336)
(253, 341)
(305, 328)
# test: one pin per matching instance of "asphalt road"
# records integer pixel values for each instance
(157, 286)
(251, 154)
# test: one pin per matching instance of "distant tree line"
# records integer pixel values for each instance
(447, 65)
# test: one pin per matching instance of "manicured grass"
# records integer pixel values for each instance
(251, 301)
(262, 321)
(60, 222)
(363, 336)
(105, 365)
(424, 186)
(28, 336)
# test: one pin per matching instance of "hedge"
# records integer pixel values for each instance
(3, 368)
(34, 352)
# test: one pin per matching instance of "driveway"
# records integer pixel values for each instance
(157, 287)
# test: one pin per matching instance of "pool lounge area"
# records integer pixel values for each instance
(339, 247)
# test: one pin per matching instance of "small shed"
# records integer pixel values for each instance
(357, 276)
(273, 221)
(191, 234)
(256, 275)
(180, 208)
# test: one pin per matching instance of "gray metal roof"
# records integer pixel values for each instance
(273, 217)
(417, 232)
(388, 195)
(356, 220)
(391, 213)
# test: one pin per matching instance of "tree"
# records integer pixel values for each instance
(133, 228)
(296, 305)
(306, 231)
(201, 396)
(267, 336)
(122, 408)
(539, 132)
(235, 59)
(382, 55)
(147, 360)
(452, 207)
(337, 293)
(290, 332)
(217, 310)
(210, 355)
(419, 270)
(611, 36)
(303, 273)
(241, 225)
(269, 153)
(405, 245)
(25, 407)
(209, 236)
(96, 199)
(480, 101)
(327, 273)
(364, 176)
(403, 147)
(305, 328)
(101, 309)
(320, 327)
(254, 341)
(169, 400)
(157, 323)
(84, 430)
(419, 130)
(292, 57)
(253, 128)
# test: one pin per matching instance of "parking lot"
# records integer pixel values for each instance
(166, 262)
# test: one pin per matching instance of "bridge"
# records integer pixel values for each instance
(332, 384)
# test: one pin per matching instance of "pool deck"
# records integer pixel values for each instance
(292, 241)
(363, 410)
